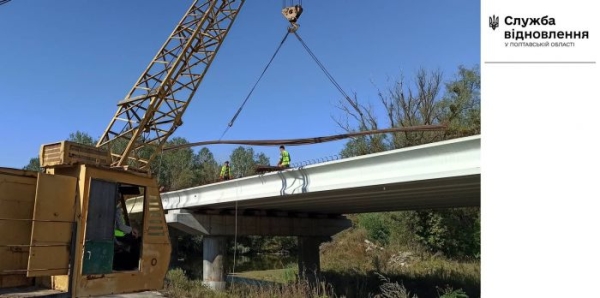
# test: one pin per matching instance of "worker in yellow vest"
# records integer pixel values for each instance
(284, 159)
(127, 242)
(225, 171)
(121, 228)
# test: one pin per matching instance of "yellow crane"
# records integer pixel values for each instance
(57, 227)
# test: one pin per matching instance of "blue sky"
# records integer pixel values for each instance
(65, 64)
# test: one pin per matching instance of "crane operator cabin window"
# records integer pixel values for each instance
(113, 229)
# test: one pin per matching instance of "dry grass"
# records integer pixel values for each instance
(352, 266)
(179, 286)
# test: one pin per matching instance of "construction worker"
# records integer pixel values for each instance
(225, 172)
(127, 242)
(122, 230)
(284, 159)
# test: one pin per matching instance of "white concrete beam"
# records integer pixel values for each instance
(442, 174)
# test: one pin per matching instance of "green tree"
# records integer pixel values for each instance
(34, 165)
(207, 167)
(426, 103)
(455, 231)
(261, 159)
(243, 161)
(82, 138)
(461, 106)
(377, 226)
(176, 169)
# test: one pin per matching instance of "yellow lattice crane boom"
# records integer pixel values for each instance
(153, 108)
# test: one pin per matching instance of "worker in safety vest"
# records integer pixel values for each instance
(284, 160)
(122, 230)
(225, 172)
(127, 242)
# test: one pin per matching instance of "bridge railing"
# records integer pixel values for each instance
(316, 161)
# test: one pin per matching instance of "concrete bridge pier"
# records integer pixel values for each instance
(214, 262)
(173, 236)
(309, 261)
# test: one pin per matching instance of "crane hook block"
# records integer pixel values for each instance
(292, 13)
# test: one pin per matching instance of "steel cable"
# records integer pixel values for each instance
(329, 76)
(253, 87)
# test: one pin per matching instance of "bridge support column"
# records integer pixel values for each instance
(309, 261)
(213, 265)
(173, 238)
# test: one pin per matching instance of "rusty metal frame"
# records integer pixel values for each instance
(152, 110)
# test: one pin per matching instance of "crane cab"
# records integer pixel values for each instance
(58, 227)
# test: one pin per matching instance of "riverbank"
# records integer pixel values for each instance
(351, 266)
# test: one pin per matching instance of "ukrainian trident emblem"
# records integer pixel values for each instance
(494, 22)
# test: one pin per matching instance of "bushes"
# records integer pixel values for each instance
(377, 226)
(454, 232)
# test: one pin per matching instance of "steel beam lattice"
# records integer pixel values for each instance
(152, 110)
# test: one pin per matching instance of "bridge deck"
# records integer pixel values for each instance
(437, 175)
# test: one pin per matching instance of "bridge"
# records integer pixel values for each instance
(309, 202)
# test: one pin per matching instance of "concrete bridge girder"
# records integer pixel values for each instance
(225, 225)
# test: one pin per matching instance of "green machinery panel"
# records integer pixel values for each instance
(99, 252)
(98, 257)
